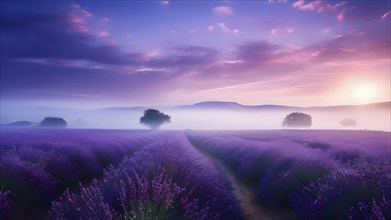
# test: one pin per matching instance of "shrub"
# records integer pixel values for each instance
(154, 118)
(297, 119)
(53, 122)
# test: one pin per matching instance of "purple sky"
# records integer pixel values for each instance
(122, 53)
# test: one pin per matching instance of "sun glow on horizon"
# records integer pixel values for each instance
(365, 92)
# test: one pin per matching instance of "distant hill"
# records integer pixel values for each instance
(47, 122)
(237, 106)
(212, 105)
(20, 124)
(221, 105)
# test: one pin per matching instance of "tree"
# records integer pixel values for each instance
(154, 118)
(348, 122)
(53, 122)
(297, 119)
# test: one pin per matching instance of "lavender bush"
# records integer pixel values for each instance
(138, 199)
(361, 192)
(88, 204)
(32, 186)
(5, 204)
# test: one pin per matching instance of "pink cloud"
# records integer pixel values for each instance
(222, 26)
(277, 1)
(326, 30)
(274, 32)
(83, 11)
(340, 16)
(78, 23)
(86, 13)
(225, 29)
(81, 28)
(103, 34)
(309, 6)
(83, 21)
(385, 16)
(331, 8)
(232, 61)
(322, 7)
(210, 28)
(223, 10)
(165, 2)
(298, 3)
(290, 30)
(104, 21)
(150, 54)
(73, 19)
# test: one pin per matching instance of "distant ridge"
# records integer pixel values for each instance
(20, 124)
(212, 105)
(232, 105)
(235, 105)
(222, 105)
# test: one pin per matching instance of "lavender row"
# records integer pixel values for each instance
(166, 180)
(362, 191)
(309, 171)
(37, 165)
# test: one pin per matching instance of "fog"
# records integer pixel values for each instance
(238, 120)
(205, 119)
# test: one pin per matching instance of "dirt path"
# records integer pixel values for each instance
(251, 209)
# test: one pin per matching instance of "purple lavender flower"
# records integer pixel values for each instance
(88, 204)
(5, 204)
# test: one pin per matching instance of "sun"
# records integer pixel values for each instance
(365, 92)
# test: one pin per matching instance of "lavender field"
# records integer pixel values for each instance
(137, 174)
(195, 110)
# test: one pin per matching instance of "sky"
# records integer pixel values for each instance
(91, 54)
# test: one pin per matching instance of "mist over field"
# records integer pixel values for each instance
(215, 117)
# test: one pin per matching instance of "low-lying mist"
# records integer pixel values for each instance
(207, 119)
(238, 120)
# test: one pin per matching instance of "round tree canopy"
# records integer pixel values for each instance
(154, 118)
(349, 122)
(53, 122)
(297, 119)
